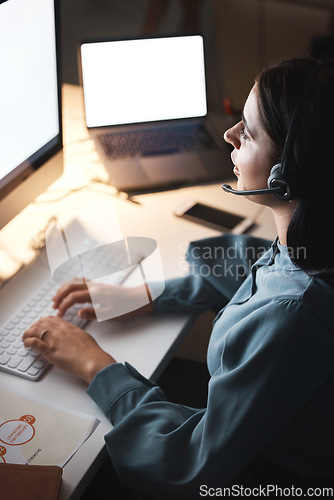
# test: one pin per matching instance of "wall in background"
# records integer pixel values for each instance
(253, 33)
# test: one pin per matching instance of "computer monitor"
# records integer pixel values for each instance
(30, 102)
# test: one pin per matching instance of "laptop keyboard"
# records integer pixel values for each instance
(155, 141)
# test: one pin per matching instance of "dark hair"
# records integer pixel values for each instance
(279, 89)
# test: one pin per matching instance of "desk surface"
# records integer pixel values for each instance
(147, 343)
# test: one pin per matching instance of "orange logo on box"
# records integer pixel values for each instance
(2, 453)
(17, 432)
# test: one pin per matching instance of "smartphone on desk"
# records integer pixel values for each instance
(215, 218)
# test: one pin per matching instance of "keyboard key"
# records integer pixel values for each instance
(39, 363)
(10, 326)
(4, 358)
(33, 371)
(4, 343)
(32, 352)
(26, 363)
(15, 361)
(23, 352)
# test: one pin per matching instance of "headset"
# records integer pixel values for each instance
(279, 181)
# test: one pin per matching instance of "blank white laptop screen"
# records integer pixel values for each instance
(135, 81)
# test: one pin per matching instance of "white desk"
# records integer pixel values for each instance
(147, 342)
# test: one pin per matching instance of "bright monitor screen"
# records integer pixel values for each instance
(30, 119)
(143, 80)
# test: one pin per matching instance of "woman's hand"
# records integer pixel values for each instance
(110, 301)
(73, 292)
(67, 347)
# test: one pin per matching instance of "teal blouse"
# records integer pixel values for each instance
(271, 361)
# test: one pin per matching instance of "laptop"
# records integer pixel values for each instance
(146, 109)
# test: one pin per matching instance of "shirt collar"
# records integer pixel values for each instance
(281, 256)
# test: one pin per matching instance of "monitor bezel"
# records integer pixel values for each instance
(21, 186)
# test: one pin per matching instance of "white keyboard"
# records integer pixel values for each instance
(14, 356)
(25, 362)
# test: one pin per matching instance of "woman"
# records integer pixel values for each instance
(271, 352)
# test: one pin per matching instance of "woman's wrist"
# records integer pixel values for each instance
(95, 365)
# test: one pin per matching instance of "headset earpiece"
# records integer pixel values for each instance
(277, 179)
